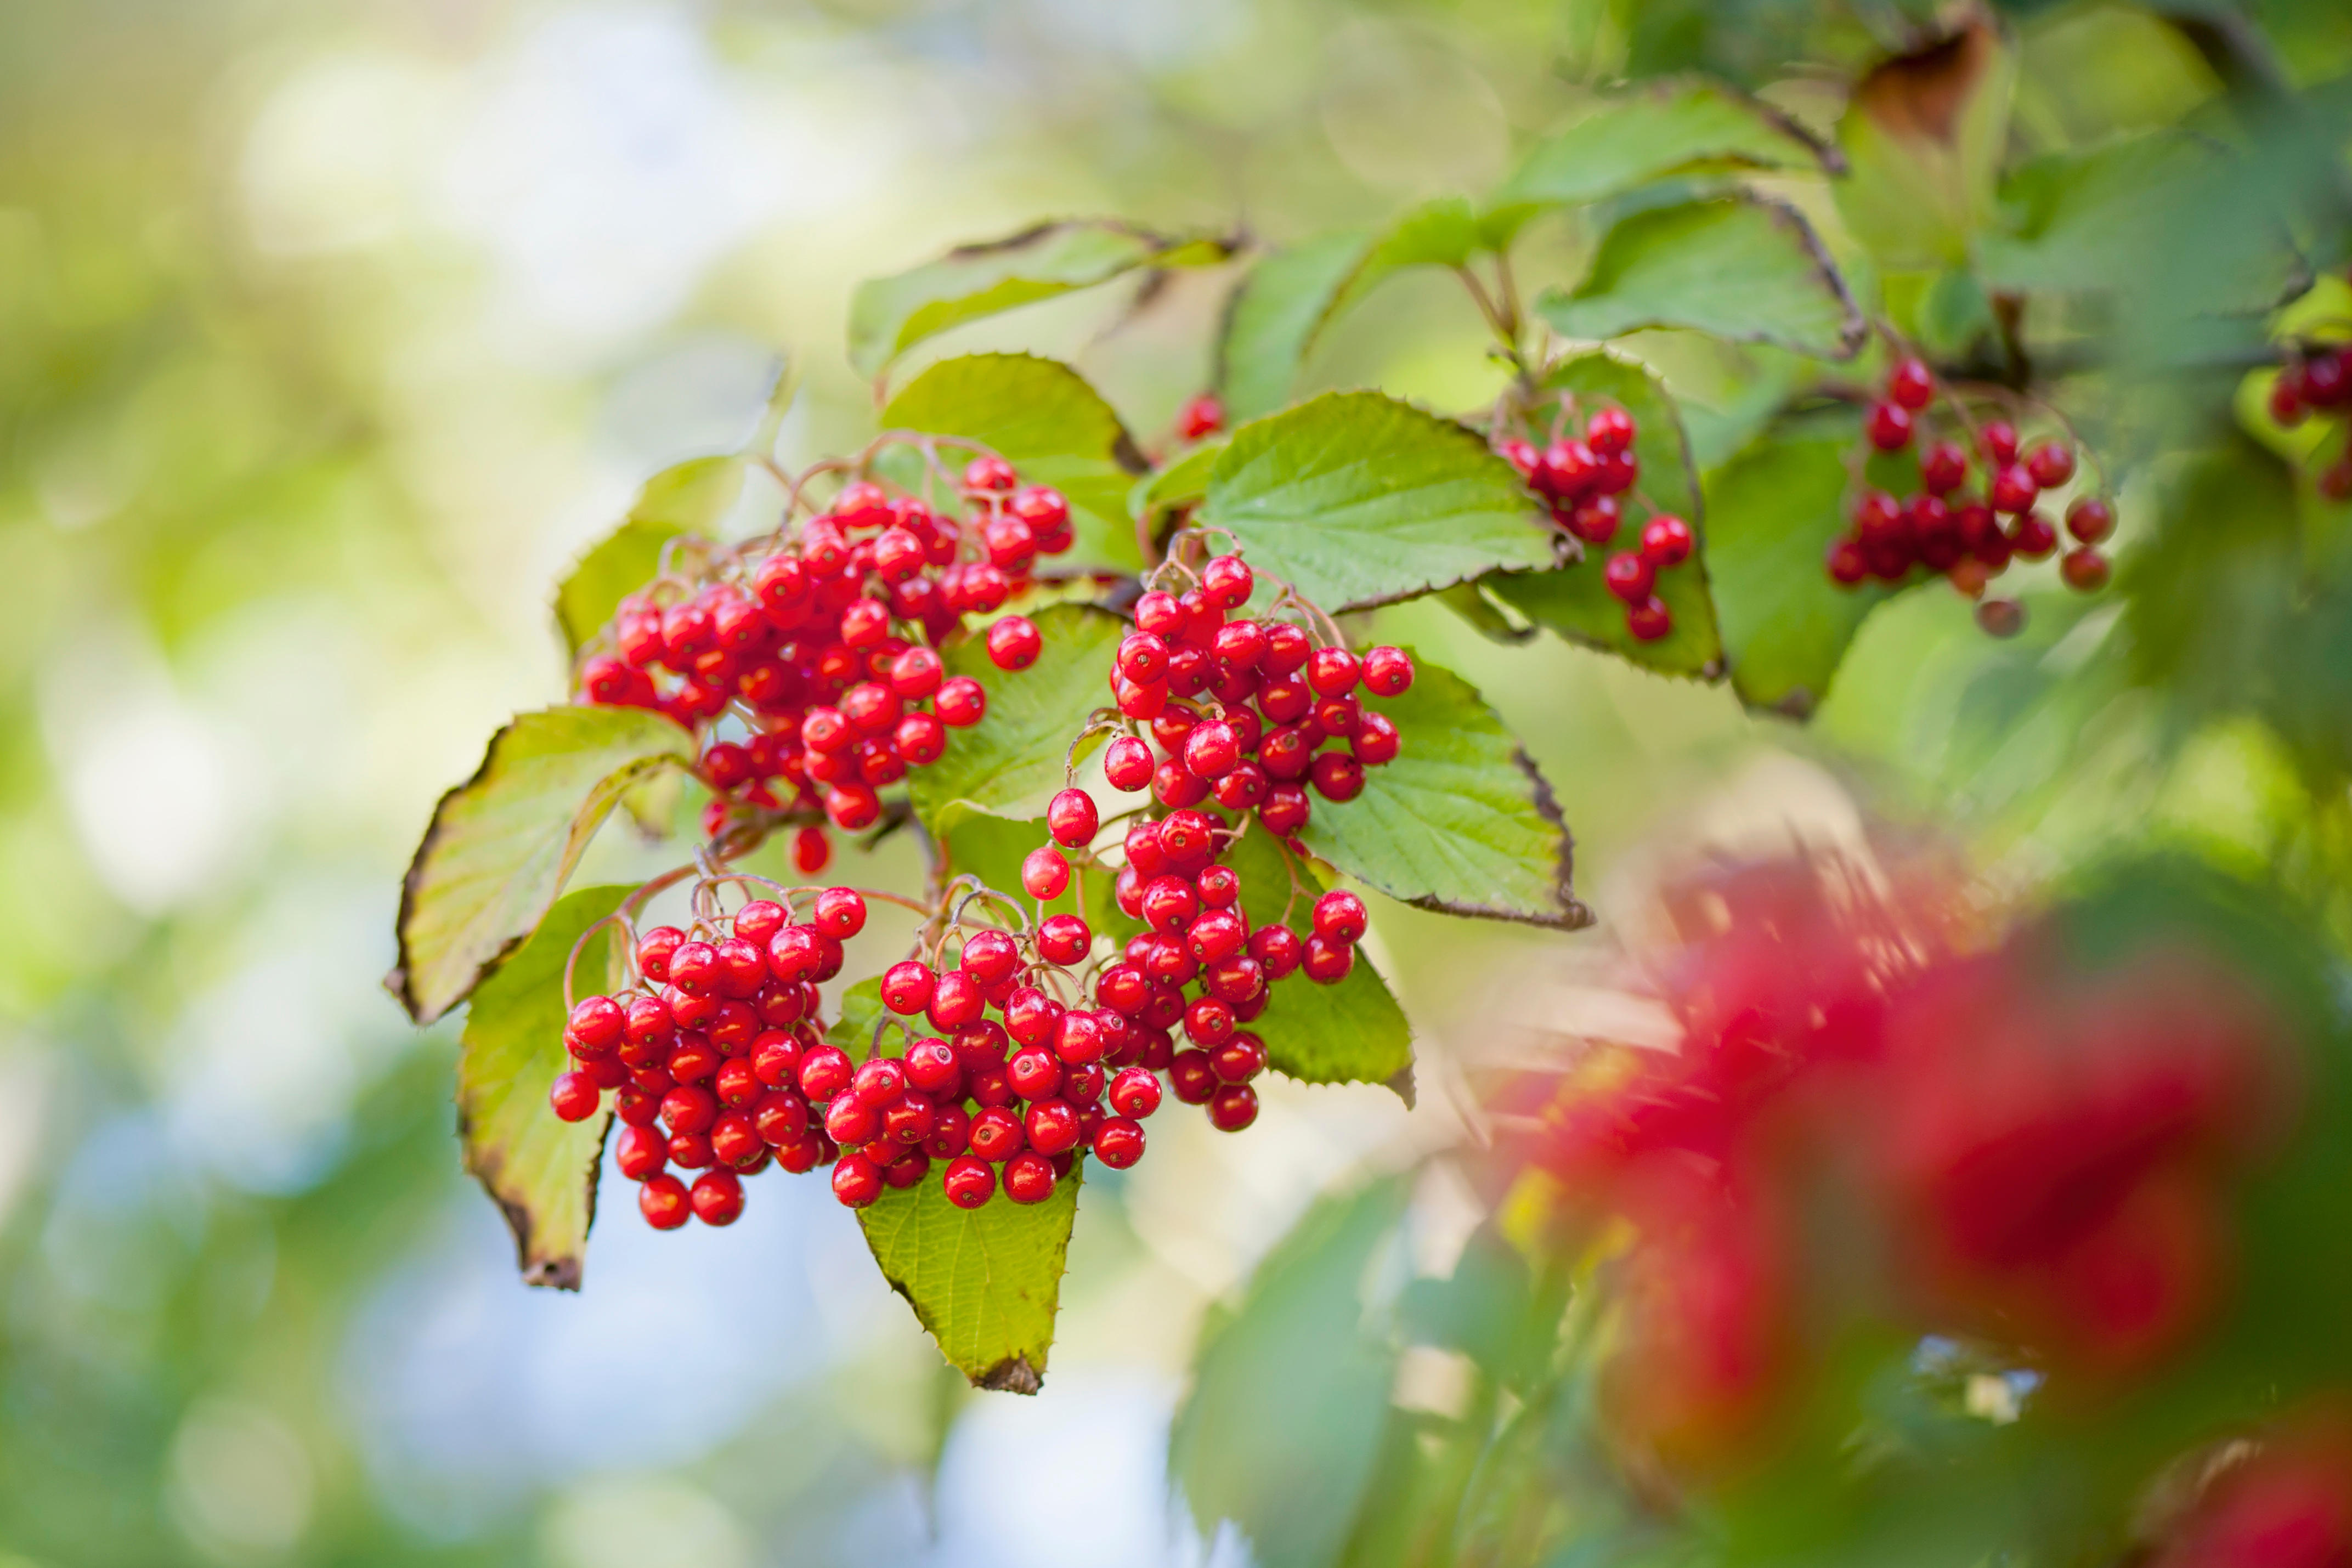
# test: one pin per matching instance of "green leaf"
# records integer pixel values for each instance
(887, 316)
(1014, 761)
(1661, 131)
(684, 499)
(1776, 509)
(1281, 1429)
(1574, 600)
(1274, 316)
(1356, 499)
(540, 1168)
(1742, 268)
(984, 1282)
(501, 844)
(1043, 418)
(1923, 135)
(1353, 1032)
(1461, 821)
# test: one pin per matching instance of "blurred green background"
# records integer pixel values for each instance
(330, 332)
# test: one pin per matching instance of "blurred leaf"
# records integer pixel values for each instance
(1487, 1309)
(1182, 484)
(688, 497)
(1281, 1429)
(887, 316)
(1659, 131)
(540, 1168)
(1923, 135)
(984, 1282)
(1461, 822)
(501, 844)
(1014, 761)
(1573, 601)
(1954, 315)
(1746, 270)
(1275, 316)
(1353, 1032)
(1774, 511)
(1042, 418)
(1357, 499)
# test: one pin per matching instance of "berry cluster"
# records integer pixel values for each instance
(1582, 480)
(824, 647)
(706, 1058)
(2318, 380)
(1945, 527)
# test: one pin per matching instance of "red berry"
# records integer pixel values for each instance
(1596, 520)
(1205, 414)
(1050, 1125)
(990, 957)
(1143, 657)
(1227, 581)
(1888, 426)
(1064, 940)
(1337, 777)
(1239, 1059)
(1649, 620)
(1326, 962)
(856, 1181)
(2001, 617)
(967, 1182)
(1126, 763)
(1044, 873)
(962, 701)
(2013, 489)
(1847, 565)
(1285, 809)
(1608, 431)
(1944, 467)
(1570, 468)
(1278, 948)
(2084, 569)
(1388, 672)
(1910, 383)
(595, 1026)
(996, 1135)
(1233, 1107)
(2090, 520)
(573, 1096)
(852, 808)
(1028, 1177)
(735, 1139)
(1666, 540)
(2050, 464)
(1072, 819)
(2032, 536)
(663, 1202)
(1211, 751)
(1117, 1143)
(906, 987)
(879, 1081)
(2286, 398)
(1628, 576)
(1190, 1077)
(1135, 1093)
(840, 913)
(1998, 440)
(825, 1072)
(1015, 642)
(1340, 916)
(641, 1153)
(1333, 672)
(654, 949)
(989, 472)
(2326, 379)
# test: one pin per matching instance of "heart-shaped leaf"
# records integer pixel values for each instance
(1749, 270)
(1012, 761)
(1042, 418)
(1356, 499)
(501, 844)
(1460, 821)
(887, 316)
(1574, 600)
(541, 1169)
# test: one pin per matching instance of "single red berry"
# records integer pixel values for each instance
(1117, 1143)
(906, 987)
(851, 1122)
(1650, 620)
(1202, 415)
(1326, 962)
(662, 1201)
(856, 1181)
(641, 1153)
(996, 1134)
(840, 913)
(1608, 431)
(595, 1026)
(961, 701)
(735, 1138)
(573, 1096)
(989, 472)
(1278, 948)
(686, 1109)
(825, 1072)
(1126, 763)
(967, 1182)
(2050, 464)
(1211, 750)
(1240, 1059)
(990, 957)
(2013, 489)
(1944, 467)
(1333, 672)
(1064, 940)
(1015, 642)
(1044, 873)
(1050, 1125)
(1388, 671)
(1135, 1093)
(2090, 520)
(1231, 1107)
(1569, 469)
(2032, 536)
(1028, 1177)
(1208, 1021)
(654, 951)
(957, 998)
(1998, 441)
(879, 1080)
(1143, 657)
(1340, 916)
(1628, 576)
(2084, 569)
(1228, 581)
(1910, 384)
(1337, 777)
(1847, 565)
(1072, 819)
(1666, 540)
(1285, 809)
(920, 739)
(1034, 1072)
(1888, 426)
(1190, 1077)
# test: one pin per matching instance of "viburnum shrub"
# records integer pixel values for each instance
(1585, 477)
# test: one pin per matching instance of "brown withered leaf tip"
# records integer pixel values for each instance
(1920, 96)
(1013, 1374)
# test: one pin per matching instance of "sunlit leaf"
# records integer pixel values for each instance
(1749, 270)
(540, 1168)
(1660, 130)
(1460, 821)
(501, 844)
(1356, 498)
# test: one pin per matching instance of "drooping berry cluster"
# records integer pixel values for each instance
(1584, 480)
(1946, 527)
(2318, 380)
(704, 1057)
(824, 646)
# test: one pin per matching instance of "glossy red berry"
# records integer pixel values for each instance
(996, 1135)
(1910, 384)
(1944, 467)
(906, 987)
(2050, 464)
(1333, 672)
(1326, 962)
(1228, 581)
(1135, 1093)
(1650, 620)
(1064, 940)
(2033, 536)
(1998, 441)
(2084, 569)
(1340, 916)
(1595, 520)
(840, 913)
(825, 1072)
(1190, 1077)
(1015, 642)
(1044, 873)
(1126, 763)
(856, 1181)
(1117, 1143)
(1028, 1177)
(961, 701)
(573, 1096)
(2013, 489)
(1284, 809)
(1231, 1107)
(1666, 540)
(1337, 777)
(1888, 426)
(1238, 1060)
(989, 472)
(2090, 520)
(1608, 431)
(967, 1182)
(1628, 576)
(662, 1201)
